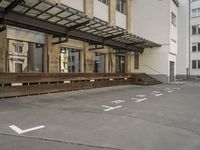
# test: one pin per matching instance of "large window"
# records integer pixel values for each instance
(121, 6)
(24, 57)
(69, 60)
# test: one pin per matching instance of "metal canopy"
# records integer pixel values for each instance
(63, 21)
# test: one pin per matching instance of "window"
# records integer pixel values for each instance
(198, 64)
(17, 48)
(136, 61)
(73, 58)
(194, 30)
(104, 1)
(73, 68)
(194, 47)
(196, 12)
(194, 0)
(121, 6)
(199, 47)
(194, 64)
(173, 19)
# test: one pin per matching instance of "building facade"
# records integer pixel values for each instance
(158, 22)
(25, 50)
(189, 41)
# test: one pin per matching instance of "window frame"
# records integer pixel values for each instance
(121, 6)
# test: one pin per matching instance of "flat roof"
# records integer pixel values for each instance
(59, 19)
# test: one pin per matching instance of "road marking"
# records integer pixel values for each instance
(139, 100)
(92, 80)
(109, 108)
(171, 91)
(141, 95)
(158, 94)
(155, 91)
(20, 131)
(118, 101)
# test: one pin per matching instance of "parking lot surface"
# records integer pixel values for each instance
(159, 117)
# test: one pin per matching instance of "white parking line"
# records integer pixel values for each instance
(158, 94)
(109, 108)
(141, 96)
(155, 91)
(20, 131)
(171, 91)
(138, 99)
(118, 101)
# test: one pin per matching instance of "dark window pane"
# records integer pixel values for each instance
(136, 62)
(194, 65)
(194, 30)
(198, 46)
(198, 64)
(194, 47)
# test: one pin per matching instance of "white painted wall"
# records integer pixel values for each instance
(101, 10)
(77, 4)
(25, 35)
(183, 38)
(173, 28)
(120, 20)
(152, 20)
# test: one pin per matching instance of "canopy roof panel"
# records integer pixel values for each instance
(64, 16)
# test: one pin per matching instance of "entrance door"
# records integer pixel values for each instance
(120, 64)
(172, 71)
(18, 67)
(99, 62)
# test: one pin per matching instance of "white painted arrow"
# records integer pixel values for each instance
(20, 131)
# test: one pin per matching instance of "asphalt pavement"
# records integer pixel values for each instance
(158, 117)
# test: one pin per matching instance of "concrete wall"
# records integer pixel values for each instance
(183, 38)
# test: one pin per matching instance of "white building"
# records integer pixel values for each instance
(157, 20)
(183, 40)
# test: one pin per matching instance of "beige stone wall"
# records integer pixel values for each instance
(3, 49)
(129, 15)
(53, 55)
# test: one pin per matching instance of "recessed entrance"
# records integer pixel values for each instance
(120, 64)
(99, 62)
